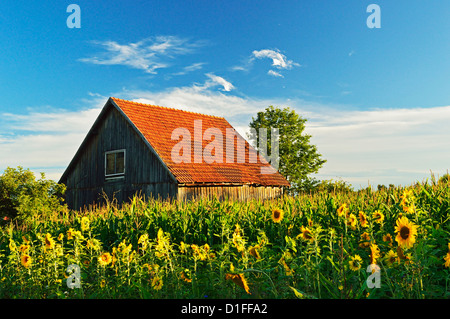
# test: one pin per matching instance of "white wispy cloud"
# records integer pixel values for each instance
(190, 68)
(214, 81)
(275, 73)
(218, 80)
(279, 60)
(149, 54)
(239, 68)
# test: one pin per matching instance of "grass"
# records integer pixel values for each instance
(170, 249)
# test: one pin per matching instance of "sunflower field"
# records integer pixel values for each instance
(389, 243)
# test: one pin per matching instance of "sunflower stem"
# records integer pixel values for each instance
(262, 272)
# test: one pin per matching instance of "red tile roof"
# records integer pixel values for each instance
(156, 125)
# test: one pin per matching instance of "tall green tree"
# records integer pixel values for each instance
(22, 195)
(298, 158)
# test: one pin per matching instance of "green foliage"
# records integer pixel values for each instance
(193, 248)
(23, 196)
(298, 158)
(331, 186)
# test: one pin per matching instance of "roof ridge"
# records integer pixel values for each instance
(165, 107)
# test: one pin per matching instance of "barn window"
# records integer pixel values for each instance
(115, 163)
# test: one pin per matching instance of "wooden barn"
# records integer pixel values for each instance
(164, 152)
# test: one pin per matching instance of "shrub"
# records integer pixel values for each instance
(22, 195)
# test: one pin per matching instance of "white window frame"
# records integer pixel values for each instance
(116, 175)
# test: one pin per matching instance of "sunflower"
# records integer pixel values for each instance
(254, 251)
(49, 241)
(143, 241)
(355, 262)
(409, 209)
(238, 242)
(93, 243)
(447, 260)
(406, 232)
(407, 197)
(24, 248)
(374, 253)
(289, 271)
(84, 223)
(152, 269)
(199, 252)
(351, 221)
(342, 210)
(183, 247)
(184, 275)
(239, 280)
(70, 234)
(123, 248)
(238, 229)
(391, 257)
(157, 283)
(277, 215)
(362, 219)
(105, 259)
(26, 260)
(388, 238)
(447, 257)
(160, 235)
(78, 235)
(306, 233)
(378, 216)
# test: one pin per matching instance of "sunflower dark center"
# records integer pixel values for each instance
(404, 232)
(276, 214)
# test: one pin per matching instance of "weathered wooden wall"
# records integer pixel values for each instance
(143, 171)
(238, 192)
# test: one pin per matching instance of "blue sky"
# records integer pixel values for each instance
(377, 100)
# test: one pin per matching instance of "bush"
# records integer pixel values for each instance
(331, 185)
(23, 196)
